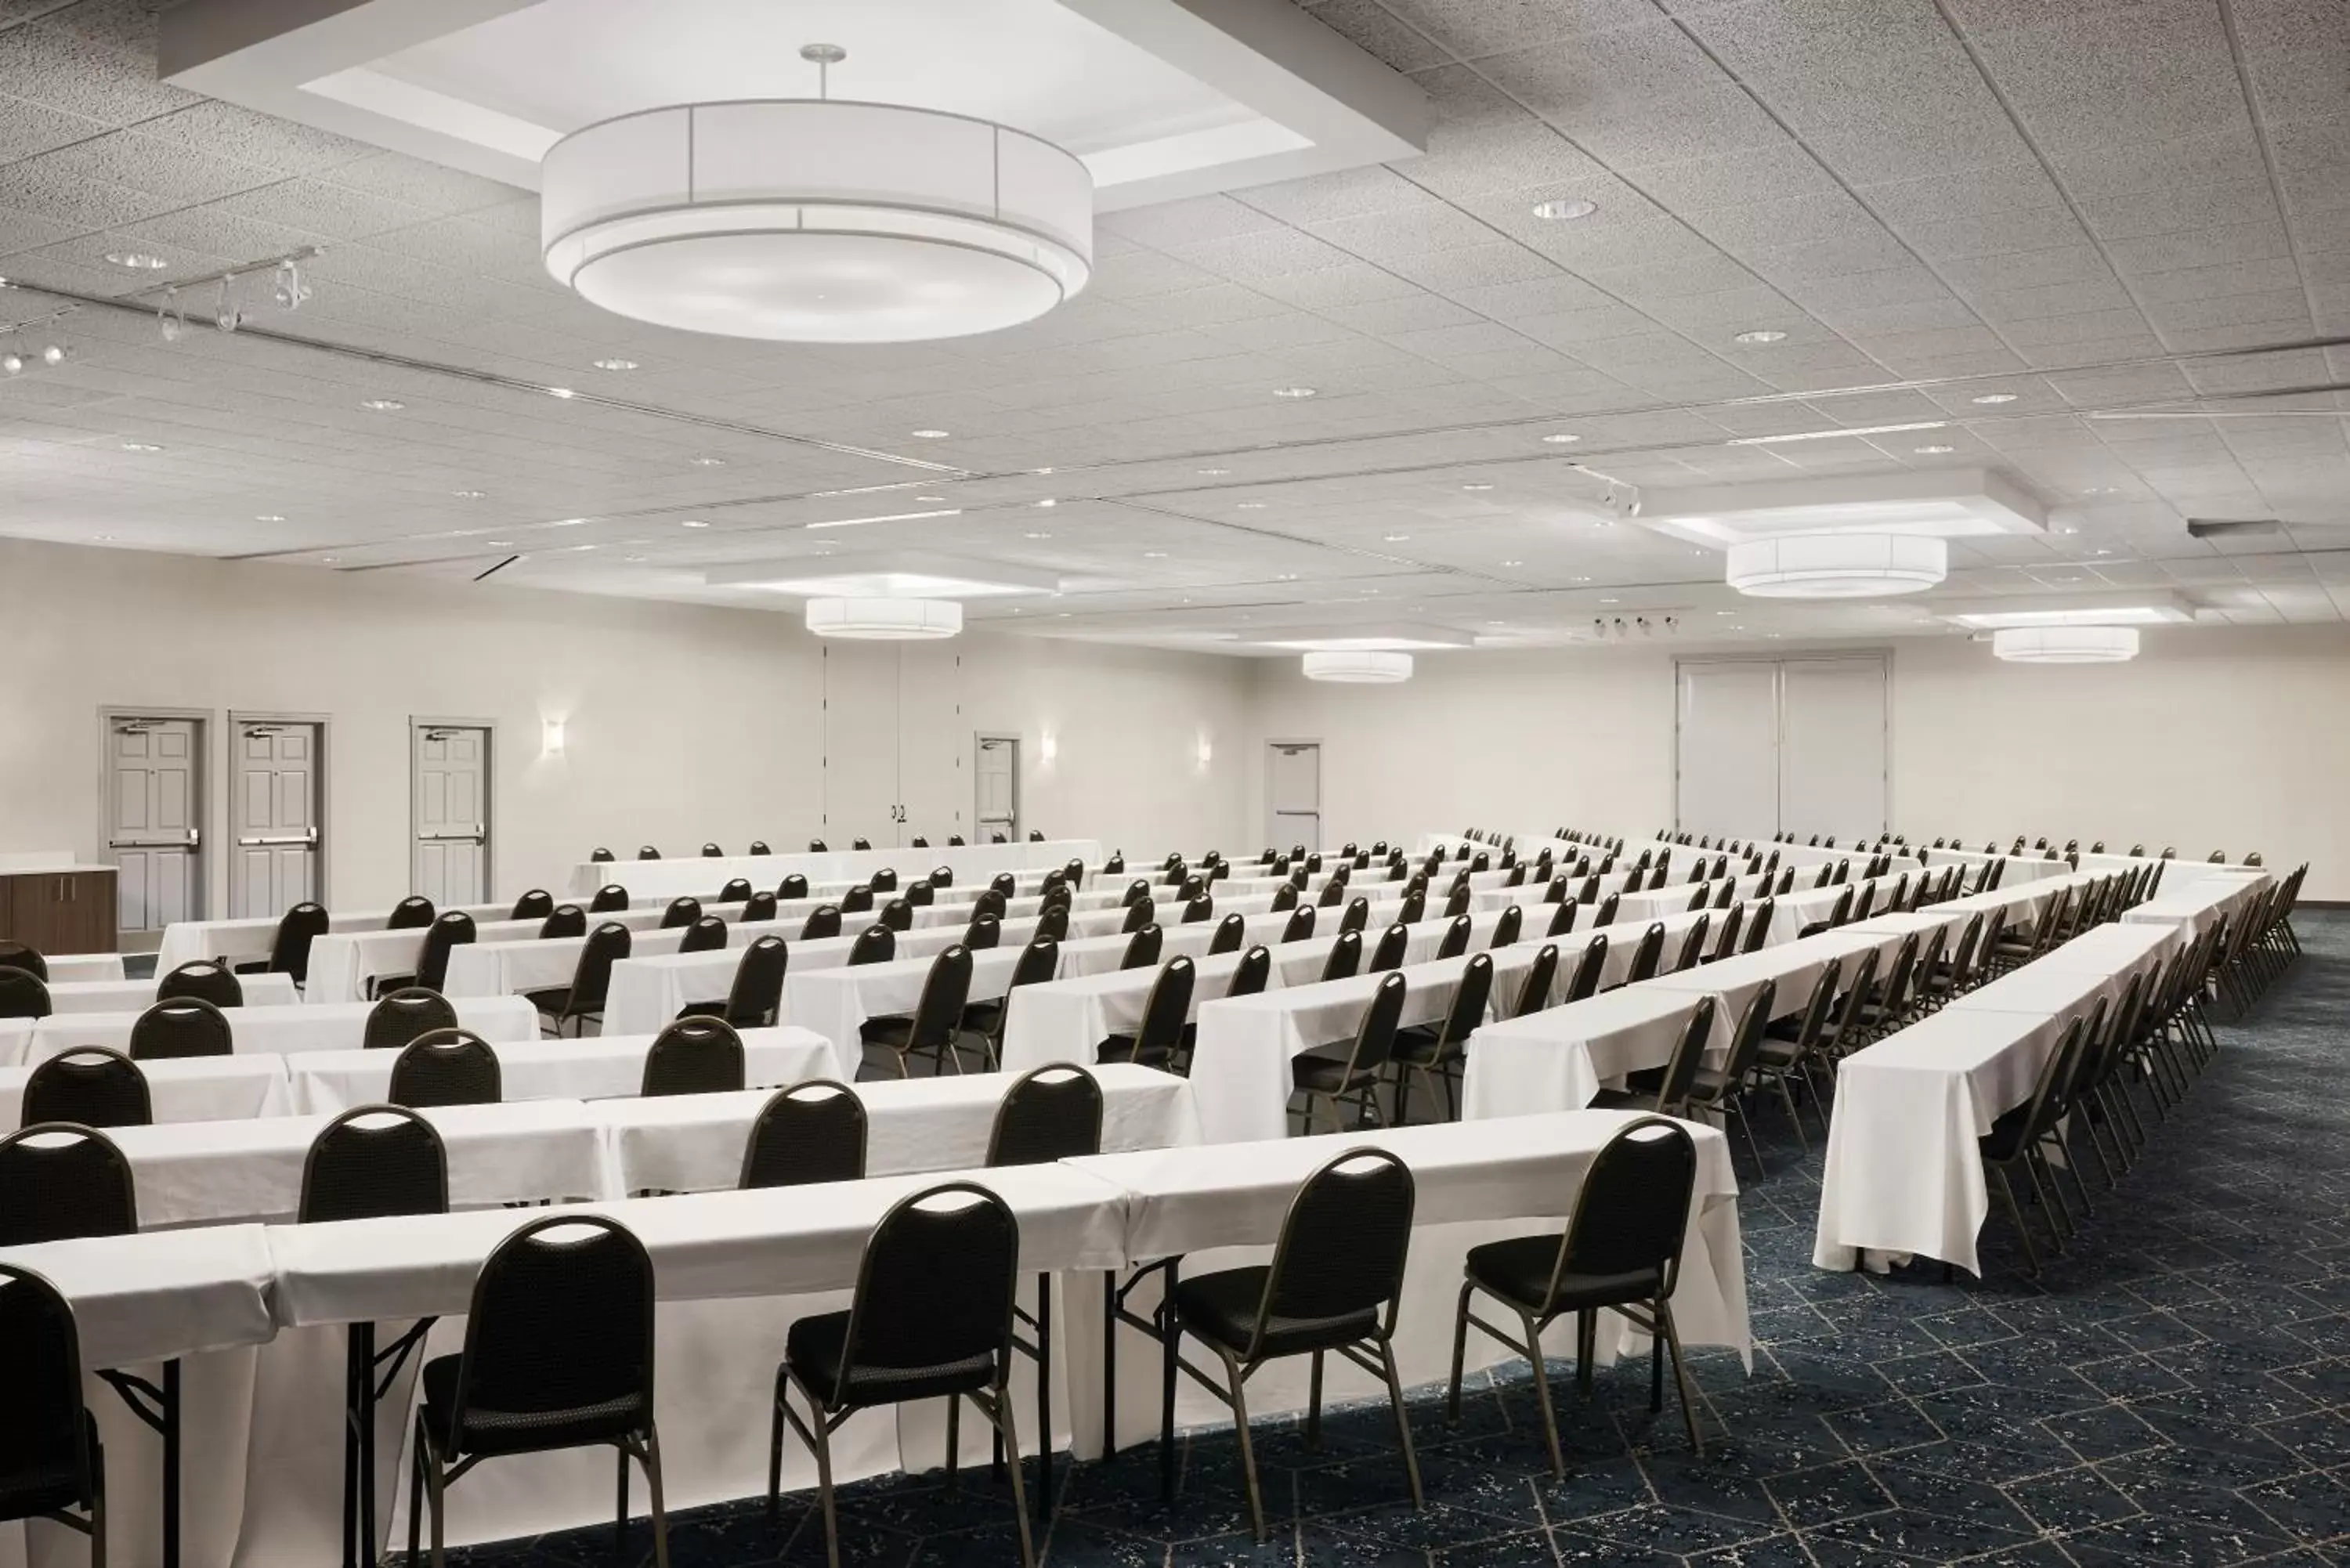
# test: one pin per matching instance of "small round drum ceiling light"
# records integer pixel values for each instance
(885, 620)
(2065, 644)
(1838, 566)
(1362, 667)
(816, 220)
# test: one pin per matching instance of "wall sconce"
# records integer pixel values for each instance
(550, 737)
(1049, 748)
(1206, 753)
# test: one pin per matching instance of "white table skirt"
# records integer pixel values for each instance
(119, 995)
(1559, 1059)
(602, 1068)
(695, 1143)
(648, 992)
(191, 1089)
(74, 969)
(835, 1003)
(2201, 903)
(343, 963)
(1066, 1020)
(251, 937)
(701, 876)
(499, 969)
(270, 1031)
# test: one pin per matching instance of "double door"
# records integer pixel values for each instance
(894, 745)
(1797, 745)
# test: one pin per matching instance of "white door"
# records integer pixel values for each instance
(933, 794)
(152, 831)
(1294, 793)
(996, 787)
(1831, 747)
(1726, 757)
(273, 815)
(451, 793)
(860, 744)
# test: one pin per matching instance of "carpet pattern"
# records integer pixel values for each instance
(2176, 1389)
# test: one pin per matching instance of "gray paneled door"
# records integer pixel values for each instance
(452, 863)
(997, 779)
(153, 809)
(274, 813)
(1294, 793)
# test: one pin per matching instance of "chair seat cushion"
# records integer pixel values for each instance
(813, 1348)
(895, 1032)
(553, 999)
(1222, 1308)
(520, 1431)
(1421, 1044)
(1124, 1048)
(1518, 1271)
(46, 1488)
(1324, 1074)
(2005, 1139)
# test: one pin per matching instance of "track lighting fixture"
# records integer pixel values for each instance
(290, 291)
(226, 314)
(12, 363)
(170, 318)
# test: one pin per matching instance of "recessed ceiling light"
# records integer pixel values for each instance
(1212, 473)
(1480, 484)
(928, 435)
(930, 500)
(616, 364)
(709, 463)
(1251, 506)
(1035, 534)
(1396, 538)
(269, 517)
(1582, 579)
(1725, 612)
(1513, 563)
(103, 538)
(1294, 392)
(1040, 471)
(1760, 335)
(329, 560)
(1611, 601)
(1935, 451)
(1154, 555)
(692, 522)
(1562, 438)
(2101, 490)
(137, 261)
(633, 558)
(1573, 207)
(1048, 500)
(561, 392)
(1494, 623)
(567, 522)
(383, 405)
(499, 544)
(470, 494)
(1996, 398)
(140, 446)
(1286, 577)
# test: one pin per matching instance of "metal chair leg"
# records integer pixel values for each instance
(1460, 1355)
(653, 1484)
(1248, 1449)
(1403, 1424)
(1680, 1375)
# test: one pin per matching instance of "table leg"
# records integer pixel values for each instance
(1169, 1342)
(1109, 1364)
(171, 1431)
(1044, 1395)
(363, 1336)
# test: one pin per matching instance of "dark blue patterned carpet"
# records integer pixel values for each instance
(2174, 1390)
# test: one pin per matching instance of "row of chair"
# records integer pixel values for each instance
(25, 992)
(715, 851)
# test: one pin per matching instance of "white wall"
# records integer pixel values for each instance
(2213, 738)
(682, 723)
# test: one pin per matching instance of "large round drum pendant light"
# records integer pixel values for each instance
(1837, 565)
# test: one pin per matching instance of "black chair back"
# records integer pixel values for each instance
(815, 847)
(1334, 893)
(17, 955)
(712, 852)
(983, 932)
(372, 1162)
(1469, 1001)
(184, 1026)
(1230, 931)
(563, 920)
(611, 899)
(289, 950)
(760, 907)
(735, 891)
(1284, 898)
(59, 1181)
(917, 895)
(1139, 915)
(759, 847)
(49, 1457)
(415, 911)
(1053, 1113)
(1455, 941)
(935, 1289)
(91, 1086)
(680, 912)
(450, 929)
(884, 880)
(1681, 1069)
(1142, 949)
(707, 934)
(534, 905)
(1393, 943)
(1506, 929)
(1588, 971)
(990, 902)
(400, 1017)
(591, 981)
(1692, 944)
(693, 1056)
(757, 996)
(1196, 910)
(858, 900)
(1534, 995)
(646, 852)
(946, 992)
(1632, 1213)
(1300, 926)
(1004, 884)
(446, 1067)
(1252, 971)
(874, 944)
(1342, 1247)
(1053, 922)
(808, 1133)
(1345, 956)
(1562, 920)
(1357, 916)
(600, 854)
(206, 980)
(792, 886)
(1648, 953)
(823, 921)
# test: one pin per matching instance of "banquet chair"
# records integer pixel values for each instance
(1621, 1252)
(861, 844)
(1584, 981)
(932, 1317)
(1726, 893)
(1142, 948)
(646, 852)
(1555, 890)
(1698, 900)
(810, 1132)
(707, 934)
(59, 1181)
(918, 842)
(1113, 866)
(591, 979)
(206, 980)
(1604, 915)
(1135, 892)
(2014, 1144)
(934, 1029)
(874, 944)
(693, 1056)
(1693, 945)
(756, 995)
(1726, 943)
(1334, 893)
(1792, 1048)
(735, 891)
(52, 1462)
(1455, 941)
(1138, 915)
(1413, 908)
(534, 905)
(990, 902)
(984, 931)
(23, 995)
(1456, 903)
(611, 899)
(402, 1015)
(897, 915)
(1355, 1070)
(1039, 962)
(17, 955)
(1300, 926)
(1845, 1033)
(1665, 1090)
(558, 1353)
(681, 911)
(955, 841)
(1393, 943)
(1725, 1089)
(1333, 1286)
(1647, 954)
(1230, 931)
(1250, 975)
(599, 855)
(182, 1027)
(760, 906)
(451, 928)
(794, 886)
(1004, 884)
(1542, 975)
(1284, 898)
(1198, 910)
(89, 1085)
(822, 921)
(858, 900)
(1345, 956)
(563, 920)
(919, 894)
(1159, 1033)
(289, 949)
(1035, 836)
(1438, 1051)
(371, 1162)
(816, 846)
(1506, 927)
(1562, 920)
(446, 1067)
(759, 847)
(1053, 920)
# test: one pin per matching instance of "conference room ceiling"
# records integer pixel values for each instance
(2091, 210)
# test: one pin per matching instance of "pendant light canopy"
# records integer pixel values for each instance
(816, 220)
(885, 620)
(1363, 666)
(2065, 644)
(1838, 566)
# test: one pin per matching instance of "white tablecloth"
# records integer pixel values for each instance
(251, 938)
(121, 995)
(2200, 902)
(72, 969)
(150, 1297)
(273, 1031)
(1066, 1020)
(604, 1066)
(342, 963)
(194, 1089)
(701, 876)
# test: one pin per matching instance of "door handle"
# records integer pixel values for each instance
(304, 840)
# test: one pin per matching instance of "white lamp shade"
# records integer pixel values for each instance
(885, 620)
(2065, 644)
(1365, 667)
(1838, 566)
(813, 220)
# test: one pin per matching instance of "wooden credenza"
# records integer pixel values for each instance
(67, 911)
